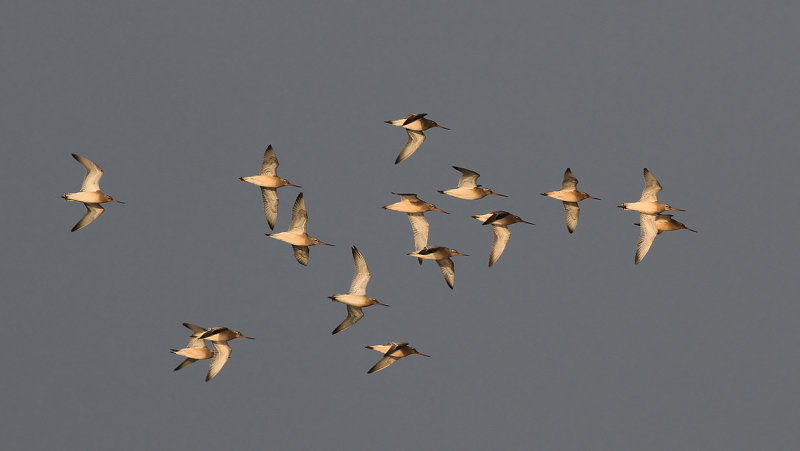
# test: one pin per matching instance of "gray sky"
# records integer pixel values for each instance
(563, 344)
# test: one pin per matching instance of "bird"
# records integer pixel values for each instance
(219, 338)
(269, 183)
(570, 196)
(414, 124)
(648, 203)
(468, 188)
(392, 351)
(357, 298)
(648, 207)
(442, 256)
(665, 223)
(195, 350)
(296, 235)
(499, 220)
(90, 193)
(415, 208)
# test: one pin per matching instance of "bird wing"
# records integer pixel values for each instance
(270, 163)
(221, 353)
(185, 363)
(301, 254)
(468, 179)
(299, 215)
(647, 234)
(571, 213)
(651, 187)
(270, 197)
(361, 276)
(93, 211)
(194, 328)
(448, 271)
(353, 315)
(93, 174)
(501, 236)
(415, 139)
(569, 182)
(421, 228)
(408, 197)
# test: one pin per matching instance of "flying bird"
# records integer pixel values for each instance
(414, 124)
(499, 220)
(269, 183)
(648, 207)
(392, 352)
(415, 208)
(665, 223)
(296, 235)
(195, 350)
(357, 298)
(570, 196)
(219, 338)
(468, 187)
(90, 193)
(442, 256)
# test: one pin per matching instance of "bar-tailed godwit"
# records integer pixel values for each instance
(269, 183)
(468, 187)
(219, 337)
(414, 124)
(499, 220)
(570, 196)
(415, 208)
(442, 256)
(357, 298)
(648, 207)
(296, 235)
(90, 193)
(392, 352)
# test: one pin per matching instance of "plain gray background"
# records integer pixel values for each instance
(563, 345)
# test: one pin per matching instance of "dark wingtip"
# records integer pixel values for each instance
(388, 122)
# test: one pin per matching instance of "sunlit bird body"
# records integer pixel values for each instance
(357, 298)
(468, 187)
(296, 235)
(442, 256)
(269, 183)
(414, 124)
(195, 350)
(415, 208)
(665, 223)
(648, 207)
(392, 352)
(570, 196)
(219, 338)
(90, 193)
(499, 220)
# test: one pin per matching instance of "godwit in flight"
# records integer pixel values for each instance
(357, 298)
(468, 187)
(90, 193)
(296, 235)
(499, 220)
(570, 196)
(392, 352)
(269, 183)
(414, 124)
(442, 256)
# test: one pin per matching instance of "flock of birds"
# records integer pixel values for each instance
(651, 223)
